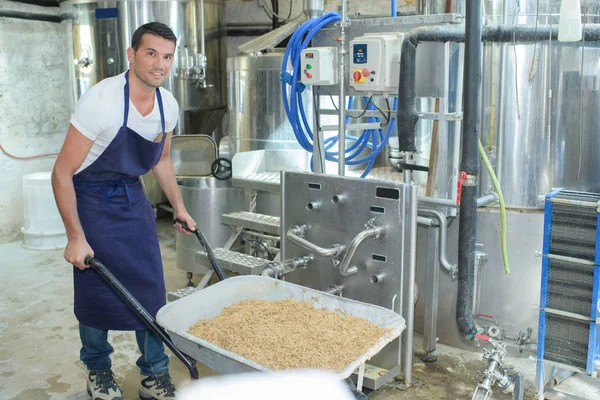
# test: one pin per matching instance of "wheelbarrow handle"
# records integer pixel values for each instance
(204, 243)
(148, 319)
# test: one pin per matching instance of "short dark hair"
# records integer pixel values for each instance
(153, 28)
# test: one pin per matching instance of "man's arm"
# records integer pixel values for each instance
(71, 156)
(165, 175)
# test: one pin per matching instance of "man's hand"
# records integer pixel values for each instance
(185, 217)
(76, 252)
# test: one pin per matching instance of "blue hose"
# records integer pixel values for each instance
(373, 139)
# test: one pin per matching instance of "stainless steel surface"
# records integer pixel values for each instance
(192, 155)
(205, 199)
(234, 261)
(313, 8)
(389, 257)
(537, 108)
(296, 235)
(345, 268)
(257, 118)
(431, 292)
(501, 293)
(450, 268)
(257, 222)
(265, 181)
(260, 169)
(179, 316)
(426, 84)
(104, 41)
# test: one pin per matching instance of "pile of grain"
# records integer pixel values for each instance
(288, 334)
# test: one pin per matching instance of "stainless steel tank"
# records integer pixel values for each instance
(102, 32)
(257, 118)
(539, 111)
(540, 139)
(206, 199)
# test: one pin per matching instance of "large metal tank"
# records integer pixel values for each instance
(257, 118)
(538, 137)
(102, 32)
(206, 199)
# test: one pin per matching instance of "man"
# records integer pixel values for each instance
(121, 129)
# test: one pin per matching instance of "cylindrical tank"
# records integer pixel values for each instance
(102, 32)
(206, 199)
(538, 137)
(257, 118)
(539, 112)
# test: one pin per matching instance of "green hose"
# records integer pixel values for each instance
(490, 170)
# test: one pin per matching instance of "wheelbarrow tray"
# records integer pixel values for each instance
(177, 318)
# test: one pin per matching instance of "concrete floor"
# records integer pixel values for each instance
(39, 350)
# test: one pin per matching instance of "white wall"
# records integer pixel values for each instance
(35, 104)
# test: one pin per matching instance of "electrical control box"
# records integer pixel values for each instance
(375, 62)
(319, 66)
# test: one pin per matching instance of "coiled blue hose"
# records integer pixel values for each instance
(374, 139)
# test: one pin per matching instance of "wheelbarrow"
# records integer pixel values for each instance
(175, 319)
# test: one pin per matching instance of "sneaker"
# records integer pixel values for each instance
(157, 388)
(101, 385)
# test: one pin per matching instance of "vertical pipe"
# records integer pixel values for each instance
(410, 287)
(342, 101)
(470, 165)
(202, 42)
(394, 8)
(431, 295)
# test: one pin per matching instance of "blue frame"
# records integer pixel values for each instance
(594, 338)
(545, 267)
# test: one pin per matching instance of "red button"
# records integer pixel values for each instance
(357, 76)
(366, 72)
(308, 75)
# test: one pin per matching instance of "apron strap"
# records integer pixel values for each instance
(126, 93)
(162, 114)
(160, 106)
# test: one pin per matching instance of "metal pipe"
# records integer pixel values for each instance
(407, 115)
(345, 268)
(203, 63)
(410, 291)
(313, 8)
(342, 101)
(443, 245)
(487, 199)
(426, 221)
(278, 269)
(296, 233)
(434, 201)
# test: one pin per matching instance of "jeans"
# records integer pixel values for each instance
(95, 351)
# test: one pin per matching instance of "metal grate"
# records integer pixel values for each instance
(236, 262)
(249, 220)
(568, 280)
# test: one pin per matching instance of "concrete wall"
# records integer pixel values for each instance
(35, 104)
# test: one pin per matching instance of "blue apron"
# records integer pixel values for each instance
(119, 225)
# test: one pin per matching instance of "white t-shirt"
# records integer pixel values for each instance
(99, 116)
